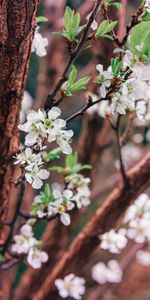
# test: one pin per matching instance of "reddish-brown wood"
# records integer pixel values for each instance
(16, 33)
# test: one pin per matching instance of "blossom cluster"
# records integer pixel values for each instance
(41, 127)
(138, 219)
(111, 272)
(26, 243)
(133, 89)
(72, 286)
(77, 193)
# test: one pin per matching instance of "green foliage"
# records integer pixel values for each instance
(146, 16)
(139, 42)
(71, 24)
(113, 4)
(72, 166)
(41, 19)
(46, 195)
(53, 154)
(104, 28)
(72, 86)
(116, 66)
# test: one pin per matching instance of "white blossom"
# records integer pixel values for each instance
(26, 104)
(118, 104)
(62, 204)
(139, 209)
(62, 137)
(143, 257)
(139, 230)
(40, 126)
(28, 157)
(24, 240)
(147, 5)
(39, 43)
(128, 59)
(36, 257)
(35, 175)
(104, 79)
(111, 273)
(34, 127)
(79, 184)
(72, 286)
(113, 241)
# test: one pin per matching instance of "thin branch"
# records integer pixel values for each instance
(122, 168)
(73, 56)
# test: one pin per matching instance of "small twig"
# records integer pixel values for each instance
(127, 131)
(122, 168)
(73, 55)
(28, 216)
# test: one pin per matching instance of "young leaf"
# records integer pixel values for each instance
(54, 154)
(72, 86)
(116, 66)
(105, 27)
(72, 75)
(138, 35)
(41, 19)
(116, 5)
(71, 24)
(67, 17)
(79, 85)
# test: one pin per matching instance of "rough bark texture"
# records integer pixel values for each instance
(105, 218)
(16, 33)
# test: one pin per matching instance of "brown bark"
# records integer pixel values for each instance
(105, 218)
(16, 33)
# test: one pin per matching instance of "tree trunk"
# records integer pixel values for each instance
(16, 33)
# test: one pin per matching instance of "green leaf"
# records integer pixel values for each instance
(71, 160)
(54, 154)
(116, 66)
(105, 27)
(57, 168)
(71, 24)
(41, 19)
(76, 21)
(47, 190)
(67, 17)
(72, 75)
(117, 5)
(64, 33)
(107, 36)
(72, 86)
(140, 36)
(146, 16)
(81, 84)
